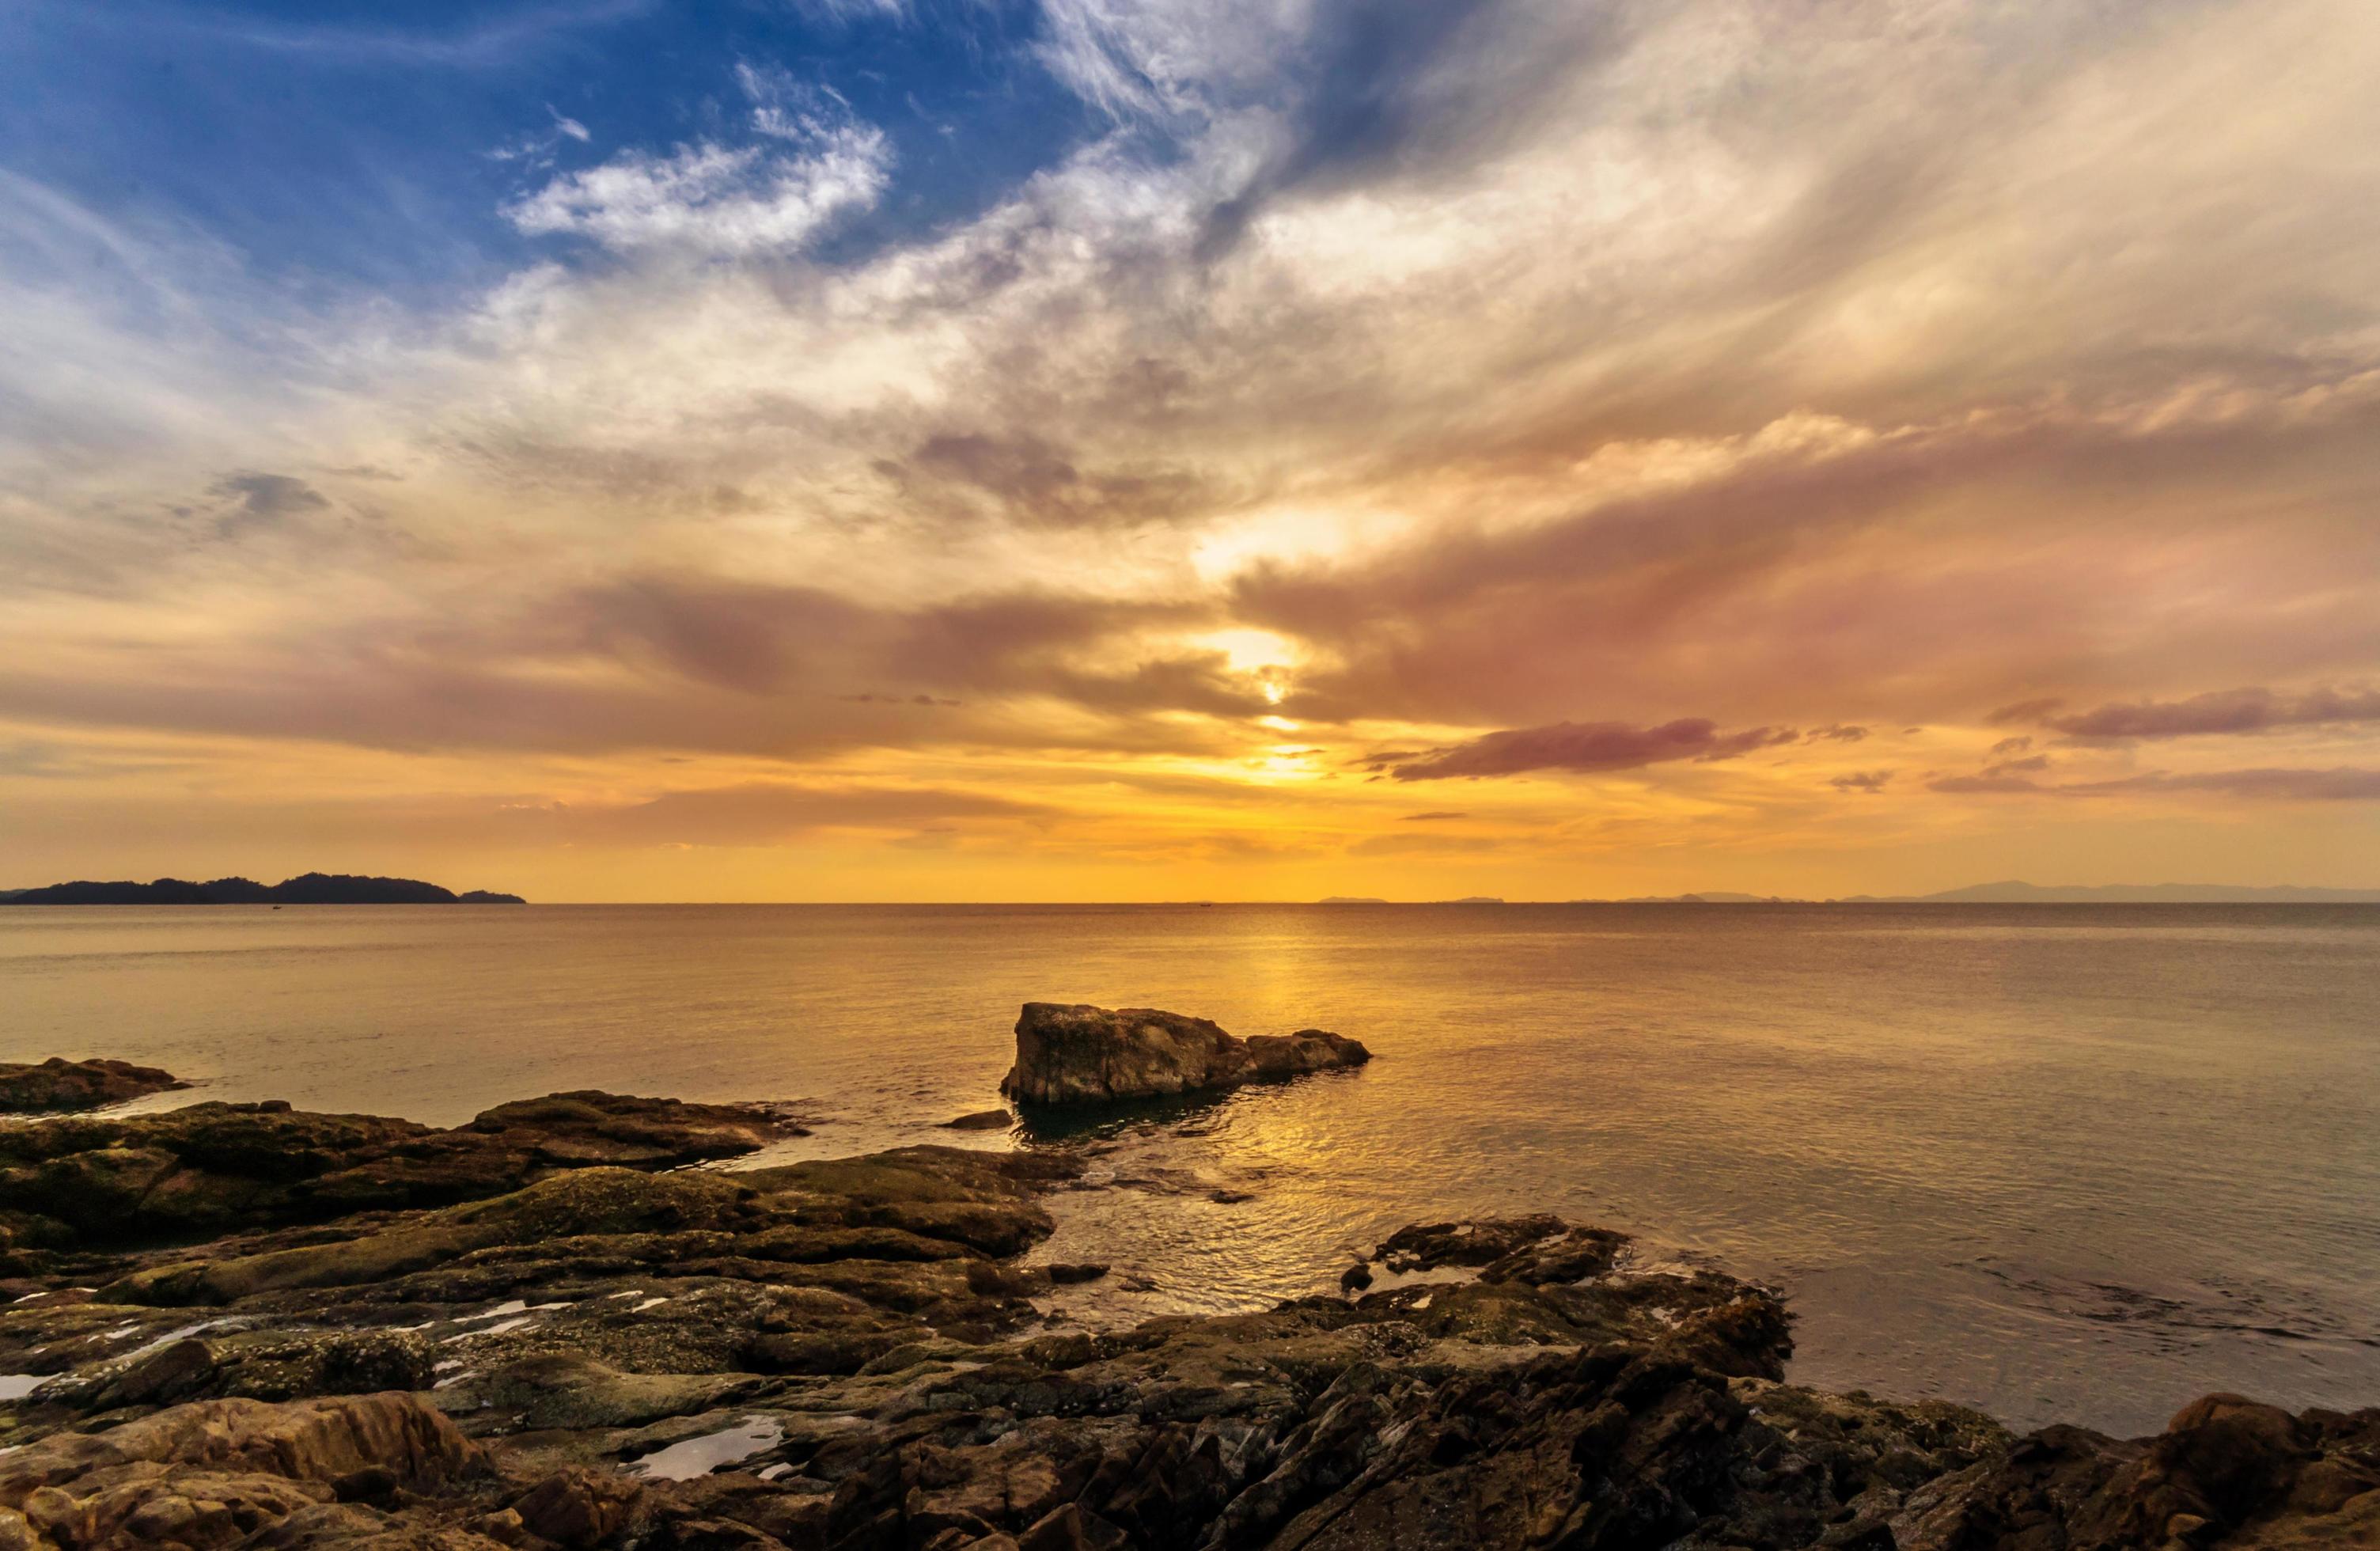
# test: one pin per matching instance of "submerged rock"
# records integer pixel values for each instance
(1087, 1055)
(59, 1085)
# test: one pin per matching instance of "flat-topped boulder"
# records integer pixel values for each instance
(1079, 1054)
(57, 1085)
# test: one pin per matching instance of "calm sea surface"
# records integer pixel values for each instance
(2062, 1163)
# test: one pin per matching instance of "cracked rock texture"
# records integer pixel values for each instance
(590, 1347)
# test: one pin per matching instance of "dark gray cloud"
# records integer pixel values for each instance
(263, 501)
(1588, 746)
(1869, 781)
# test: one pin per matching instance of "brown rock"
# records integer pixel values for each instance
(218, 1472)
(216, 1167)
(57, 1085)
(1084, 1054)
(1071, 1528)
(578, 1508)
(173, 1373)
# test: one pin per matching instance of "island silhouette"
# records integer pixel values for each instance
(310, 888)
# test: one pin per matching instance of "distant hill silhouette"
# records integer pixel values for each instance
(2015, 892)
(312, 888)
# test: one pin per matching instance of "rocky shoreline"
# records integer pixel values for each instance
(249, 1326)
(59, 1086)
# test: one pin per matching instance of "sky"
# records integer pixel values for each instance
(1077, 450)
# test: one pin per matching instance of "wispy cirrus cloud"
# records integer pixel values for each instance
(813, 164)
(708, 198)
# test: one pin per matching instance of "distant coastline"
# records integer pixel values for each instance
(312, 888)
(2010, 892)
(2015, 892)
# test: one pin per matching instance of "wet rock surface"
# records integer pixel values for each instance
(214, 1168)
(59, 1085)
(599, 1352)
(1095, 1055)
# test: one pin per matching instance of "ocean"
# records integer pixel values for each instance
(2064, 1163)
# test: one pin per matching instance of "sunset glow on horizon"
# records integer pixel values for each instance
(898, 450)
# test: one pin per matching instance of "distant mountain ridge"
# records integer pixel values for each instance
(311, 887)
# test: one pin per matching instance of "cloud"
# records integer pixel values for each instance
(2341, 784)
(1163, 58)
(267, 498)
(713, 199)
(1033, 482)
(1870, 781)
(492, 43)
(1432, 817)
(2216, 713)
(1984, 783)
(848, 11)
(1806, 368)
(1588, 746)
(1426, 845)
(764, 813)
(263, 501)
(814, 163)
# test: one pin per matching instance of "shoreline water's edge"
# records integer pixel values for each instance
(250, 1325)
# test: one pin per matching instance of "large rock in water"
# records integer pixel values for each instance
(1086, 1055)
